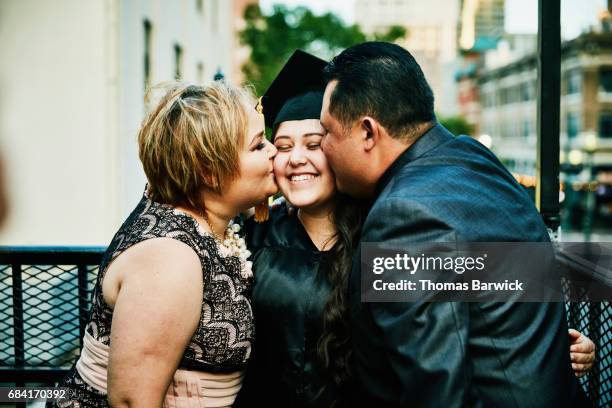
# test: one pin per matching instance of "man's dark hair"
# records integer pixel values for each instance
(381, 80)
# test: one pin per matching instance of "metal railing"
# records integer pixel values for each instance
(44, 307)
(594, 319)
(45, 295)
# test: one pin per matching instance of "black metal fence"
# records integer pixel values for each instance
(44, 306)
(593, 319)
(44, 302)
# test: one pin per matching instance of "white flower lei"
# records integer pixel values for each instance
(236, 245)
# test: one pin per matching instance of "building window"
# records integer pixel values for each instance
(573, 125)
(573, 81)
(605, 125)
(492, 99)
(509, 95)
(200, 72)
(515, 93)
(147, 53)
(605, 80)
(526, 128)
(178, 61)
(526, 91)
(503, 96)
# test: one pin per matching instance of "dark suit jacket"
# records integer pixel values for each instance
(452, 354)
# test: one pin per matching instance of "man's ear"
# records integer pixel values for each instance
(371, 132)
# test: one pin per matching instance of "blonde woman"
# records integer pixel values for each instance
(171, 323)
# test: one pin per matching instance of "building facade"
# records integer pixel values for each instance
(431, 37)
(73, 78)
(508, 115)
(241, 52)
(482, 23)
(508, 97)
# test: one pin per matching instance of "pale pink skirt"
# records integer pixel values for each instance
(193, 389)
(188, 389)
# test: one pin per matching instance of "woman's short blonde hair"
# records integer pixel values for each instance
(191, 140)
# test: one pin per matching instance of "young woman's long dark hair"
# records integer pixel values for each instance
(334, 347)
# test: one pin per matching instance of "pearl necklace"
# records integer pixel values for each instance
(234, 243)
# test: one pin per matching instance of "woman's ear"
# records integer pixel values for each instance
(209, 181)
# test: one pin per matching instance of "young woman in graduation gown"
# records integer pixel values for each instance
(300, 254)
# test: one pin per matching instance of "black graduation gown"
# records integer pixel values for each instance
(289, 297)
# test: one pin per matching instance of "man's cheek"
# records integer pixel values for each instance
(325, 143)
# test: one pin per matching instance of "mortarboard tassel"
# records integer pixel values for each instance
(262, 211)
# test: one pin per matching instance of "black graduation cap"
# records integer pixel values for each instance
(297, 91)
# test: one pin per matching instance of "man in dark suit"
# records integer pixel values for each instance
(426, 185)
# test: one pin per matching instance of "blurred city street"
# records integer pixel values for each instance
(88, 63)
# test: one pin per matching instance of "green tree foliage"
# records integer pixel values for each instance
(273, 38)
(457, 125)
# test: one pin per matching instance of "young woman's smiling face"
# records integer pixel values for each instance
(301, 169)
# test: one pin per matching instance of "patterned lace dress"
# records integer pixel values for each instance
(222, 340)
